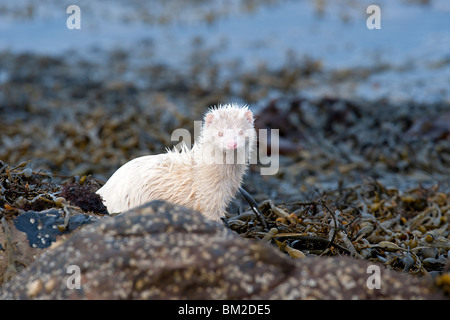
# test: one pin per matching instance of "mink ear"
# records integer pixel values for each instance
(249, 116)
(209, 118)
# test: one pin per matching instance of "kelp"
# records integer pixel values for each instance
(406, 231)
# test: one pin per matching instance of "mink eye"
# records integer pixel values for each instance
(241, 132)
(220, 134)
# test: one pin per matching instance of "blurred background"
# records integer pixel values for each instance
(352, 104)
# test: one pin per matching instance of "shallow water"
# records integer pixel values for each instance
(408, 59)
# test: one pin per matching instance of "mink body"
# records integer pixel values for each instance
(205, 178)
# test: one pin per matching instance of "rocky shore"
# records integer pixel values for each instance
(362, 180)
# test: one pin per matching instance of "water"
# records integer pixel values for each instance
(407, 59)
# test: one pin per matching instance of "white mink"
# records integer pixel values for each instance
(205, 178)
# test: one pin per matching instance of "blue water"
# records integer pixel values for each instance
(414, 39)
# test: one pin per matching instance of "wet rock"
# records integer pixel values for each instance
(161, 251)
(24, 237)
(41, 228)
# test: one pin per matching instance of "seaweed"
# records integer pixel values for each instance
(22, 189)
(407, 231)
(84, 196)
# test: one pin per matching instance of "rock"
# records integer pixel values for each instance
(162, 251)
(26, 236)
(42, 228)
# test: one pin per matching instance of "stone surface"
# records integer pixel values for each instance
(26, 236)
(162, 251)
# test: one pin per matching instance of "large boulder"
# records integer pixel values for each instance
(161, 251)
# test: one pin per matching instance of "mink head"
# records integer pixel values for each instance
(229, 128)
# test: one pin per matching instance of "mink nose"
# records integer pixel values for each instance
(231, 145)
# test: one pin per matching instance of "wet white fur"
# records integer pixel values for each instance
(200, 178)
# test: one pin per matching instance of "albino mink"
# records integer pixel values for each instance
(204, 178)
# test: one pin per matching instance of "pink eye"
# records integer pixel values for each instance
(241, 132)
(220, 134)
